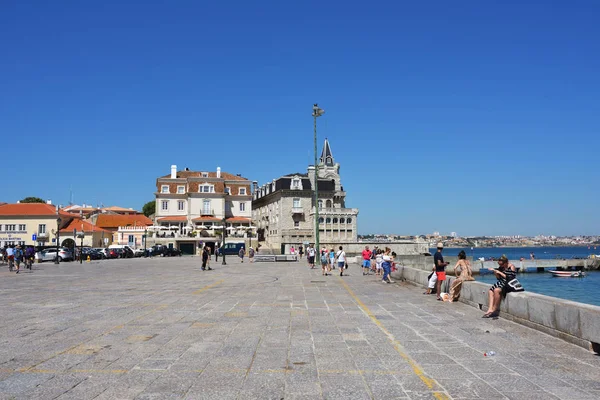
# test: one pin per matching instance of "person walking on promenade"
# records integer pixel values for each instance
(217, 250)
(241, 254)
(507, 282)
(29, 256)
(387, 265)
(292, 251)
(10, 257)
(465, 274)
(366, 264)
(310, 254)
(18, 257)
(205, 258)
(331, 256)
(532, 256)
(379, 263)
(324, 261)
(300, 252)
(340, 256)
(440, 269)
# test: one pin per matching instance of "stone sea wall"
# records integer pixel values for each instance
(574, 322)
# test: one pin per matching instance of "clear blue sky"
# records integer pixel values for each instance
(480, 117)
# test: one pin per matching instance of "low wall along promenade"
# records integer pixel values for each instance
(574, 322)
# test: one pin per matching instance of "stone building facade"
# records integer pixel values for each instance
(284, 209)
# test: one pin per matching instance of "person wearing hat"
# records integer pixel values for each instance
(440, 269)
(507, 282)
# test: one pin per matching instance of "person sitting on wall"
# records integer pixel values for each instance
(507, 282)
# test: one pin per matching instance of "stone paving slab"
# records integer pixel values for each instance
(162, 329)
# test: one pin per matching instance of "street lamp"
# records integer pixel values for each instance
(224, 223)
(58, 220)
(317, 112)
(145, 238)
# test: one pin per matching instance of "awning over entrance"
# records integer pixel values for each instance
(174, 218)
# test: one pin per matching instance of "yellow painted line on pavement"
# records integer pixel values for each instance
(205, 288)
(430, 383)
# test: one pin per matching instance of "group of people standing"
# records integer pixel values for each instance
(381, 261)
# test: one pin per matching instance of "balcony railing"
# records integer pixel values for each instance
(335, 211)
(297, 210)
(207, 212)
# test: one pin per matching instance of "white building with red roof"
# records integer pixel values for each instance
(31, 223)
(193, 207)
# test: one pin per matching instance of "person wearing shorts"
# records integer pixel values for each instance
(310, 254)
(366, 255)
(440, 269)
(341, 260)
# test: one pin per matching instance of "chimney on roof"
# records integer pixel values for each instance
(218, 172)
(173, 171)
(48, 201)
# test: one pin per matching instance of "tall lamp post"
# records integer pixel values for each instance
(224, 223)
(317, 112)
(57, 261)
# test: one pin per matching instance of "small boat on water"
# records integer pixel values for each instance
(568, 274)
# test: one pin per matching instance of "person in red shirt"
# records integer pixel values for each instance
(366, 265)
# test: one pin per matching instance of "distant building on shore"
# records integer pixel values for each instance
(284, 209)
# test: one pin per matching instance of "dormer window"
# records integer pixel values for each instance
(204, 174)
(180, 189)
(296, 183)
(227, 190)
(242, 191)
(206, 188)
(164, 189)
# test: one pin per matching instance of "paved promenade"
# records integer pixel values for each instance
(162, 329)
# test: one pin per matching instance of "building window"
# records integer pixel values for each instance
(11, 227)
(321, 220)
(164, 205)
(320, 204)
(227, 190)
(242, 191)
(349, 221)
(242, 206)
(206, 189)
(335, 220)
(205, 174)
(328, 220)
(180, 189)
(22, 227)
(296, 183)
(206, 207)
(328, 204)
(296, 203)
(41, 229)
(296, 224)
(164, 189)
(131, 239)
(181, 205)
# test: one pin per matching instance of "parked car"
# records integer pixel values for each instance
(159, 250)
(138, 252)
(231, 248)
(50, 255)
(92, 253)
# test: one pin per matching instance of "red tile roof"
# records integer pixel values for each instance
(238, 219)
(174, 218)
(87, 227)
(116, 220)
(207, 219)
(197, 174)
(34, 209)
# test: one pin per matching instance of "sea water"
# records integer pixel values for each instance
(515, 253)
(582, 289)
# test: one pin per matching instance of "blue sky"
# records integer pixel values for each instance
(480, 117)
